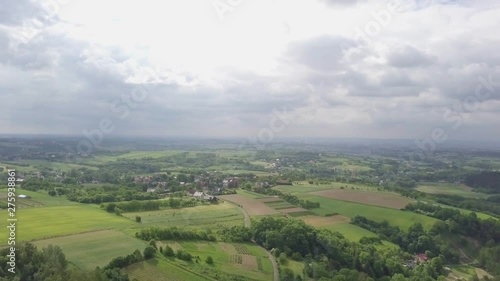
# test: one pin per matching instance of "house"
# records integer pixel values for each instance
(410, 264)
(24, 196)
(151, 189)
(421, 258)
(199, 195)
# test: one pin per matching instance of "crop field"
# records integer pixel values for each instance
(350, 209)
(257, 173)
(239, 259)
(450, 189)
(281, 204)
(161, 270)
(322, 221)
(38, 199)
(305, 187)
(270, 199)
(382, 199)
(97, 248)
(253, 195)
(48, 222)
(251, 206)
(205, 216)
(355, 233)
(61, 166)
(292, 210)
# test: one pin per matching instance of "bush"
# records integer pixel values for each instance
(149, 252)
(209, 260)
(185, 256)
(138, 219)
(168, 252)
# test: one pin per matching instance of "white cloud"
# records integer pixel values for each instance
(224, 78)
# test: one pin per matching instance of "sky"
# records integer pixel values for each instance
(421, 69)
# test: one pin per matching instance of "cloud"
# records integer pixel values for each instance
(408, 56)
(227, 78)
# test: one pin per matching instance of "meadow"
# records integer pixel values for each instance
(204, 216)
(450, 189)
(38, 199)
(375, 198)
(48, 222)
(97, 248)
(305, 187)
(230, 258)
(161, 270)
(395, 217)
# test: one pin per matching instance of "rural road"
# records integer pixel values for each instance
(271, 257)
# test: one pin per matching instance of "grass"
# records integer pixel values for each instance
(160, 270)
(47, 222)
(250, 194)
(296, 266)
(350, 209)
(237, 172)
(450, 189)
(305, 187)
(221, 254)
(351, 231)
(204, 216)
(88, 250)
(38, 199)
(280, 205)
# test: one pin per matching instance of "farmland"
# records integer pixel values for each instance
(233, 259)
(395, 217)
(47, 222)
(304, 187)
(381, 199)
(205, 216)
(450, 189)
(251, 206)
(38, 199)
(244, 182)
(161, 270)
(96, 248)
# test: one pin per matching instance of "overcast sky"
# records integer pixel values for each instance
(333, 68)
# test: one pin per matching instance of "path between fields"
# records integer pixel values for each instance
(271, 257)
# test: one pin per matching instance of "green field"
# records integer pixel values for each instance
(47, 222)
(160, 270)
(304, 187)
(354, 233)
(296, 266)
(38, 199)
(253, 264)
(250, 194)
(98, 248)
(204, 216)
(450, 189)
(394, 217)
(280, 205)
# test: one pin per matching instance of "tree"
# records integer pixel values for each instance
(118, 211)
(168, 251)
(282, 259)
(209, 260)
(138, 219)
(149, 252)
